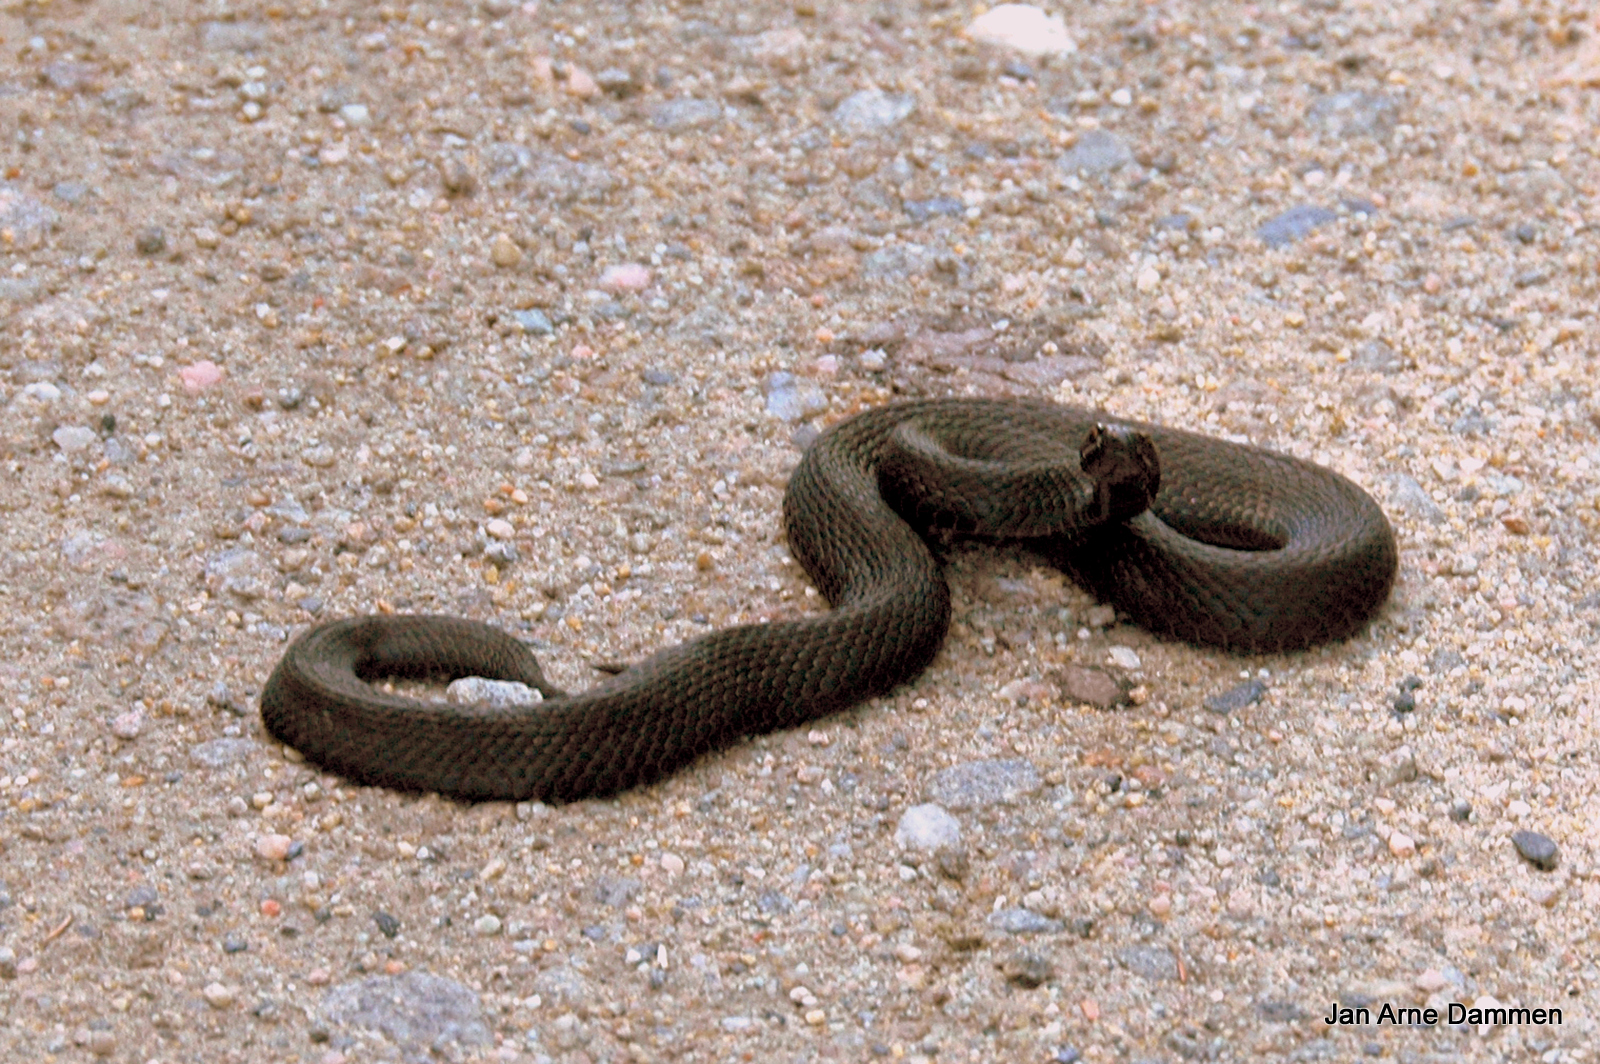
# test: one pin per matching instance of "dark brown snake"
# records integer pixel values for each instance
(1242, 548)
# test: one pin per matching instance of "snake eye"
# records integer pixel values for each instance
(1094, 444)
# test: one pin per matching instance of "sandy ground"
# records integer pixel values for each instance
(310, 309)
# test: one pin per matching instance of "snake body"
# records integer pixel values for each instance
(1242, 548)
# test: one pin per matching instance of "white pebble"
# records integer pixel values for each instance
(72, 438)
(487, 925)
(499, 694)
(927, 827)
(1124, 657)
(128, 725)
(218, 996)
(1024, 28)
(628, 277)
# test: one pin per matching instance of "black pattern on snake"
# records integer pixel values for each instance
(1242, 548)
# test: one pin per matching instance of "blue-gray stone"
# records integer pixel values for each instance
(533, 321)
(922, 210)
(980, 783)
(219, 753)
(791, 400)
(1097, 152)
(675, 116)
(1293, 224)
(424, 1015)
(1353, 114)
(1023, 922)
(1236, 698)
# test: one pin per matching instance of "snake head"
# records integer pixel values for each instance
(1126, 471)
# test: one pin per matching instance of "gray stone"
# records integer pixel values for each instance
(1353, 114)
(791, 400)
(1412, 498)
(25, 220)
(1377, 356)
(1155, 963)
(239, 572)
(895, 262)
(70, 191)
(872, 111)
(1023, 922)
(1027, 969)
(220, 753)
(533, 321)
(1097, 152)
(1236, 698)
(982, 783)
(546, 173)
(232, 36)
(497, 694)
(426, 1016)
(676, 116)
(616, 891)
(922, 210)
(1294, 224)
(1538, 850)
(562, 985)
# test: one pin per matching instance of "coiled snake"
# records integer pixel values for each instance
(1242, 548)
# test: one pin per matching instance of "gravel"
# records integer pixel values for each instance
(521, 312)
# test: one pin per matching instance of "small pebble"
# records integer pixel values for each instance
(872, 111)
(1023, 28)
(200, 376)
(456, 178)
(1027, 969)
(927, 827)
(1124, 657)
(151, 241)
(1094, 687)
(128, 725)
(1236, 698)
(73, 438)
(1538, 850)
(504, 252)
(218, 995)
(534, 321)
(273, 847)
(628, 277)
(498, 694)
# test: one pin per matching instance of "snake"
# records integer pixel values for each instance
(1197, 539)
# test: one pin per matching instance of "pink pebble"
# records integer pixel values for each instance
(200, 376)
(580, 84)
(273, 847)
(628, 277)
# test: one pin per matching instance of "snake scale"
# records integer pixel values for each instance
(1242, 548)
